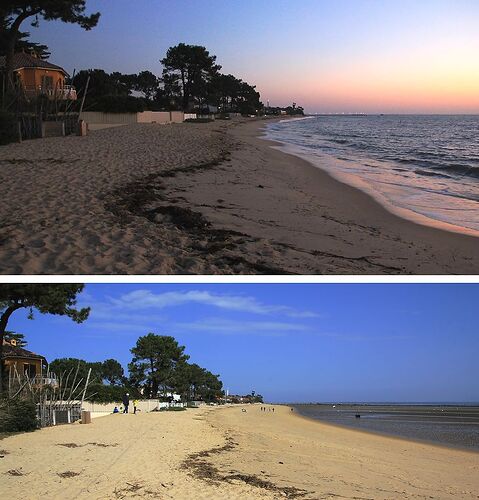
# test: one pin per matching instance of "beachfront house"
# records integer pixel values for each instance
(18, 361)
(37, 77)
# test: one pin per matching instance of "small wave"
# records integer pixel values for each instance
(289, 120)
(339, 141)
(428, 173)
(463, 170)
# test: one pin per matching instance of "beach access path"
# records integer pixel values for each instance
(228, 453)
(208, 198)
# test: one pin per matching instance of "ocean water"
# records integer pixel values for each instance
(445, 424)
(425, 168)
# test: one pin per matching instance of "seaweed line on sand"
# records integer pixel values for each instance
(147, 198)
(197, 465)
(76, 445)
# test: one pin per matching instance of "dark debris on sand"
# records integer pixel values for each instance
(147, 198)
(68, 474)
(197, 465)
(76, 445)
(15, 472)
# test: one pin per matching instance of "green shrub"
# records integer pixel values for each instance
(8, 128)
(173, 408)
(17, 415)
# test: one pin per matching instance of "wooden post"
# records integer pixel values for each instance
(84, 390)
(84, 95)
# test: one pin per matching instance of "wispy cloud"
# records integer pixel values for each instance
(232, 327)
(144, 299)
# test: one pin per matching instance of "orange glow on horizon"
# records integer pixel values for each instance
(433, 81)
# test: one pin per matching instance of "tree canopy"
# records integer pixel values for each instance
(146, 83)
(57, 299)
(109, 370)
(231, 94)
(22, 44)
(188, 69)
(193, 382)
(112, 372)
(155, 358)
(190, 81)
(159, 367)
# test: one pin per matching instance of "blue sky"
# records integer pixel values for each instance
(290, 342)
(329, 55)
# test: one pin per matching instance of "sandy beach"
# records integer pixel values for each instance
(200, 199)
(228, 453)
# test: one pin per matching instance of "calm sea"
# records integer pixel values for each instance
(446, 424)
(423, 167)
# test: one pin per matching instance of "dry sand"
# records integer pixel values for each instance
(225, 453)
(204, 199)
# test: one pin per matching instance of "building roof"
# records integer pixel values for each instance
(11, 351)
(22, 60)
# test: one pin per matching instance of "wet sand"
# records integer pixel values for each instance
(224, 453)
(200, 199)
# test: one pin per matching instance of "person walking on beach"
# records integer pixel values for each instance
(126, 402)
(135, 404)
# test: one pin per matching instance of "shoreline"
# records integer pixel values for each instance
(378, 218)
(358, 183)
(351, 181)
(386, 434)
(226, 452)
(200, 199)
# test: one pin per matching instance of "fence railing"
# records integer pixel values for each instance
(56, 414)
(63, 93)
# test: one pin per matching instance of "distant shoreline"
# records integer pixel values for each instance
(435, 421)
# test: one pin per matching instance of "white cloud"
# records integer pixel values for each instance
(231, 327)
(144, 299)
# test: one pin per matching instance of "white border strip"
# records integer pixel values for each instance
(229, 279)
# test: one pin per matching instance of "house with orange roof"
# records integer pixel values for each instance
(19, 361)
(38, 77)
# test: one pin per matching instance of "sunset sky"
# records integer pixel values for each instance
(318, 342)
(328, 55)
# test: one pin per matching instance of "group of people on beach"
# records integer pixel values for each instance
(126, 405)
(263, 408)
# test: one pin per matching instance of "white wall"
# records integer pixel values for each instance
(145, 405)
(108, 118)
(97, 120)
(154, 117)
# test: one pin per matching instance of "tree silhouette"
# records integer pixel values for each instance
(188, 68)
